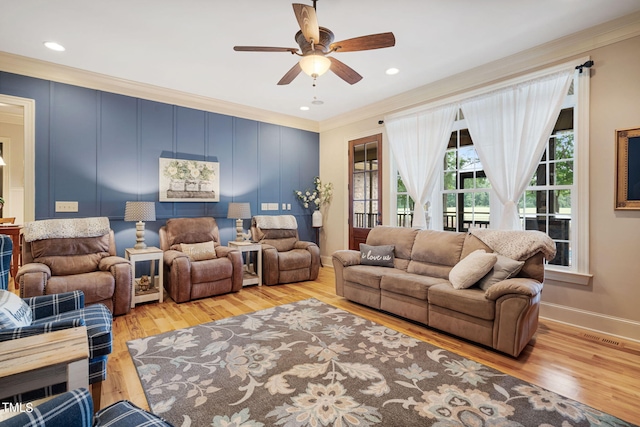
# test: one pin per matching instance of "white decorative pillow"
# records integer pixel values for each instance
(471, 269)
(199, 251)
(504, 269)
(14, 312)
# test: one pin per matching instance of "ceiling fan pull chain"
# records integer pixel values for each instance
(315, 101)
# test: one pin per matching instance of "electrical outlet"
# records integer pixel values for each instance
(284, 206)
(66, 206)
(264, 206)
(288, 206)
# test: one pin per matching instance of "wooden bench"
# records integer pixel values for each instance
(42, 360)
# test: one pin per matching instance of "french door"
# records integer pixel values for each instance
(365, 188)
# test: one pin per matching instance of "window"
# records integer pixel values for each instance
(557, 198)
(404, 204)
(465, 195)
(547, 203)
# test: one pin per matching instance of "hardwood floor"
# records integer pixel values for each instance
(605, 375)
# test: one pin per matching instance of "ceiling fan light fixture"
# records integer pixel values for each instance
(315, 65)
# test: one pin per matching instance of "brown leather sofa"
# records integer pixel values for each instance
(417, 287)
(195, 264)
(285, 258)
(85, 260)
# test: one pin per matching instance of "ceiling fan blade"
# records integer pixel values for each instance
(291, 74)
(264, 49)
(308, 21)
(343, 71)
(372, 41)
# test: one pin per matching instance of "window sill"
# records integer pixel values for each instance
(565, 276)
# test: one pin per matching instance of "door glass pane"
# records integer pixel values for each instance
(359, 218)
(358, 158)
(365, 185)
(364, 188)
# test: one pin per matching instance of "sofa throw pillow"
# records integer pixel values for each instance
(504, 269)
(199, 251)
(14, 312)
(471, 269)
(376, 255)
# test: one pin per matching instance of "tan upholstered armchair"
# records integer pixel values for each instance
(285, 258)
(75, 254)
(195, 265)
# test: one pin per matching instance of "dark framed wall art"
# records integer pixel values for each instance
(627, 187)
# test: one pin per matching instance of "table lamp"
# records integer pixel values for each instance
(140, 212)
(239, 211)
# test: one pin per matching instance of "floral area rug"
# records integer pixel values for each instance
(311, 364)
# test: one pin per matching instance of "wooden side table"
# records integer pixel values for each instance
(42, 360)
(252, 276)
(156, 292)
(13, 231)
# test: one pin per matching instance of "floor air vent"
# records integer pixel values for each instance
(602, 340)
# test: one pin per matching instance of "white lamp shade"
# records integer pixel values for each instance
(140, 211)
(315, 65)
(239, 210)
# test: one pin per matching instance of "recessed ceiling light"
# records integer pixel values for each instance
(392, 71)
(304, 108)
(54, 46)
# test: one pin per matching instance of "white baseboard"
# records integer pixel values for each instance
(615, 326)
(326, 261)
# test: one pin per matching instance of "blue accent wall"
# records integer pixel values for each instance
(102, 149)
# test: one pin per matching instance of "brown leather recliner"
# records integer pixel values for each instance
(63, 255)
(195, 264)
(285, 258)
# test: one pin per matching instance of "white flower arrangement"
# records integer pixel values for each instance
(317, 197)
(188, 169)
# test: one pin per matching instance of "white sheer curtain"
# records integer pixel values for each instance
(509, 128)
(418, 142)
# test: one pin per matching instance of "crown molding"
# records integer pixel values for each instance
(36, 68)
(529, 60)
(540, 56)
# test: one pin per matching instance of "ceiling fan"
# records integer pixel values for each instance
(316, 44)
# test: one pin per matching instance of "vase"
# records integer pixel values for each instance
(316, 219)
(205, 186)
(177, 185)
(191, 185)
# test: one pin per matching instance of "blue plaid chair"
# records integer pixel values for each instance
(6, 249)
(63, 311)
(75, 409)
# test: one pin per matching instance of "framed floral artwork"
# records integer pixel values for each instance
(189, 181)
